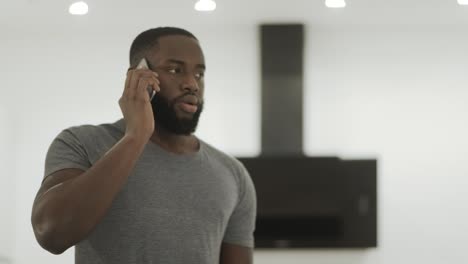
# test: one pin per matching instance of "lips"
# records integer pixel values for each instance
(189, 99)
(188, 103)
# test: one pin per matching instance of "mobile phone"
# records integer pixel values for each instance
(143, 64)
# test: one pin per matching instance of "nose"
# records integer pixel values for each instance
(190, 83)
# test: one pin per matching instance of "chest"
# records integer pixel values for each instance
(194, 195)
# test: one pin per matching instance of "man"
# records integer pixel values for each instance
(145, 189)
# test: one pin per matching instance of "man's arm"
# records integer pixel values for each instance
(234, 254)
(71, 202)
(241, 225)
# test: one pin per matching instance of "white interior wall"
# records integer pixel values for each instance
(7, 176)
(7, 186)
(395, 93)
(398, 94)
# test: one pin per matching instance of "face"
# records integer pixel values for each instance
(180, 64)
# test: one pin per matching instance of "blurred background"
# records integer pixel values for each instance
(382, 79)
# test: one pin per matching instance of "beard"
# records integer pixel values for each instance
(165, 116)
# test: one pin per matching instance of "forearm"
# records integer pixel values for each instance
(66, 213)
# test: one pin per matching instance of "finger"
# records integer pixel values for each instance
(127, 83)
(136, 75)
(146, 86)
(132, 84)
(133, 79)
(149, 74)
(154, 74)
(155, 77)
(155, 88)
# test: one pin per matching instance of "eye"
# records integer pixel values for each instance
(174, 70)
(199, 75)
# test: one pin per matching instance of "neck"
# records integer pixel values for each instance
(178, 144)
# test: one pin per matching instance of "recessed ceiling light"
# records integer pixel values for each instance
(205, 5)
(335, 3)
(463, 2)
(78, 8)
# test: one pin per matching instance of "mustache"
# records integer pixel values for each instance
(189, 94)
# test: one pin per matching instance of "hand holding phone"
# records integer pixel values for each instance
(143, 64)
(136, 109)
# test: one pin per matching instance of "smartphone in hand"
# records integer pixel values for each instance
(143, 64)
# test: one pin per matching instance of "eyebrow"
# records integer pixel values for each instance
(201, 66)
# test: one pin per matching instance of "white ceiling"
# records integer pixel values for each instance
(52, 14)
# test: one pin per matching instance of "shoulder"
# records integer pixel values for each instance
(220, 156)
(91, 141)
(96, 130)
(92, 133)
(228, 161)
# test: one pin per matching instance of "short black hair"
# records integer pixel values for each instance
(149, 38)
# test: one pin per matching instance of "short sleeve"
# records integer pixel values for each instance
(241, 225)
(66, 152)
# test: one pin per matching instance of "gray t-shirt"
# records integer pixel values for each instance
(172, 209)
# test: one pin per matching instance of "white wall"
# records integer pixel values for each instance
(395, 93)
(399, 94)
(7, 176)
(7, 188)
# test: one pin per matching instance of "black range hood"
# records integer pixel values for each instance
(304, 202)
